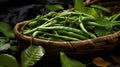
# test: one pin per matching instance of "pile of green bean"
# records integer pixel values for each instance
(66, 26)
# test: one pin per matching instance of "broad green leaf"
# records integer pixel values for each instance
(54, 7)
(7, 60)
(92, 12)
(4, 46)
(31, 55)
(4, 39)
(107, 29)
(79, 6)
(6, 29)
(68, 62)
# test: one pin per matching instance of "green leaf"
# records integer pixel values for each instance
(4, 46)
(79, 6)
(31, 55)
(8, 61)
(107, 29)
(54, 7)
(4, 39)
(6, 29)
(92, 12)
(68, 62)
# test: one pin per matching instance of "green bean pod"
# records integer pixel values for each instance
(100, 8)
(72, 34)
(115, 18)
(85, 31)
(84, 19)
(62, 28)
(94, 24)
(111, 17)
(65, 38)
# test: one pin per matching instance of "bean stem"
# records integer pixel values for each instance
(94, 24)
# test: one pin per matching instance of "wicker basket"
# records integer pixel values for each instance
(96, 45)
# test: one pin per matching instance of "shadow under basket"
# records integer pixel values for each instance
(96, 45)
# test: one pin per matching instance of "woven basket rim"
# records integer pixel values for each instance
(96, 45)
(18, 25)
(17, 32)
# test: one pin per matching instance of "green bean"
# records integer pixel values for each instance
(54, 39)
(60, 18)
(84, 30)
(87, 15)
(72, 34)
(50, 14)
(111, 17)
(62, 28)
(66, 38)
(35, 33)
(29, 31)
(67, 25)
(84, 19)
(116, 21)
(100, 8)
(58, 24)
(66, 13)
(55, 32)
(115, 24)
(56, 17)
(34, 29)
(116, 17)
(94, 24)
(50, 23)
(32, 23)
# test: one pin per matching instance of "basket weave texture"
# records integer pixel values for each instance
(99, 44)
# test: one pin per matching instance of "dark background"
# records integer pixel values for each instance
(14, 11)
